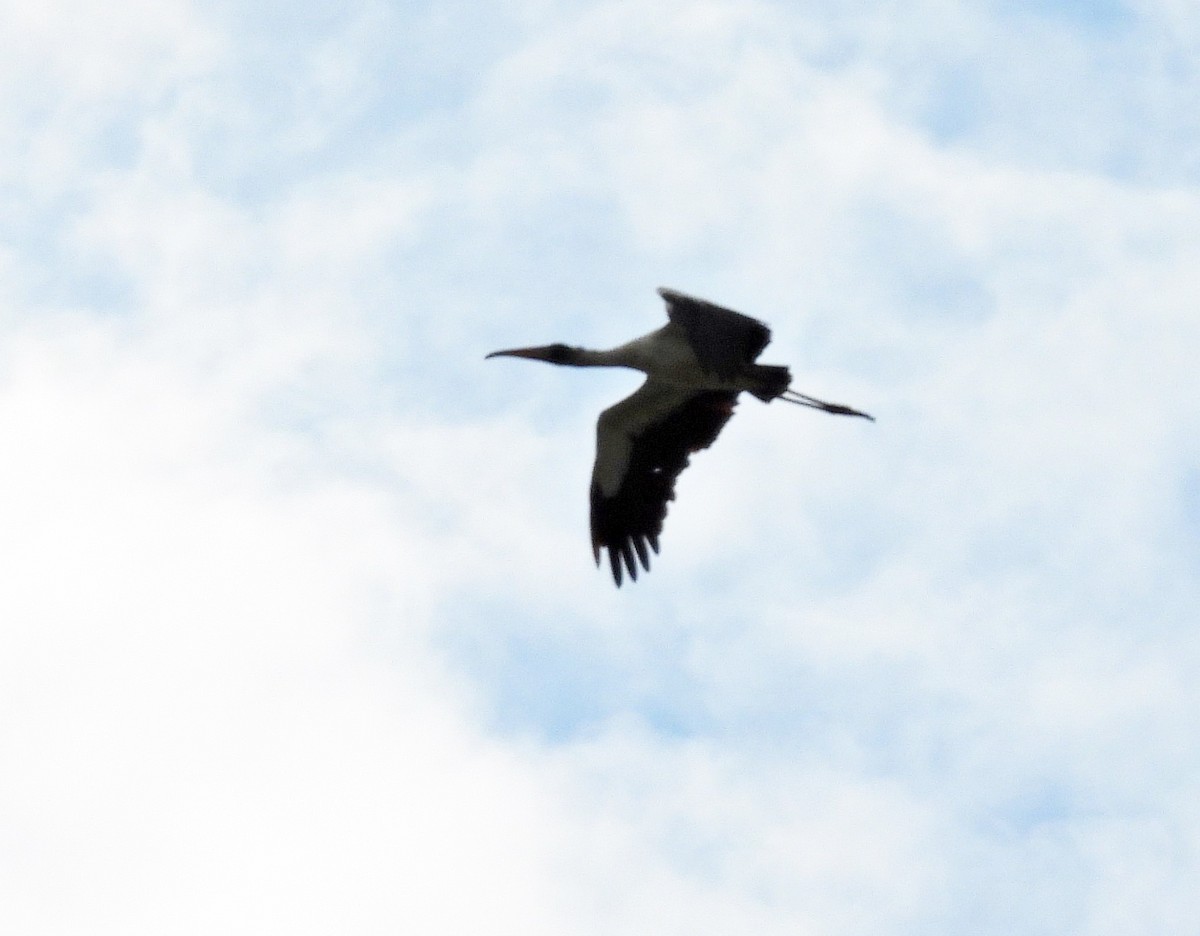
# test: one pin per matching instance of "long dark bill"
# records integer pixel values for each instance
(536, 354)
(791, 396)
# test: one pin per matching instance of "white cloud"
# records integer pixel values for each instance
(300, 625)
(194, 736)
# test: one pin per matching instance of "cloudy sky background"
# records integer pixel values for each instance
(299, 629)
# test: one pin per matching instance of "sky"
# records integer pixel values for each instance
(299, 627)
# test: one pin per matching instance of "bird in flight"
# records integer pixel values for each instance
(695, 366)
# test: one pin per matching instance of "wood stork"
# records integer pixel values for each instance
(695, 366)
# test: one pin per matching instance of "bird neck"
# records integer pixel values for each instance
(591, 357)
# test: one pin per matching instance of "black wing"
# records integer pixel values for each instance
(643, 443)
(724, 341)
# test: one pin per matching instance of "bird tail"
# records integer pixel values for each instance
(771, 380)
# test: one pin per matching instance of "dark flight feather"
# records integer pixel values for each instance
(628, 522)
(725, 342)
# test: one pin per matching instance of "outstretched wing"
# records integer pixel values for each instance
(724, 341)
(642, 444)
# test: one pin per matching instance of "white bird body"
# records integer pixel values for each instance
(664, 355)
(695, 367)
